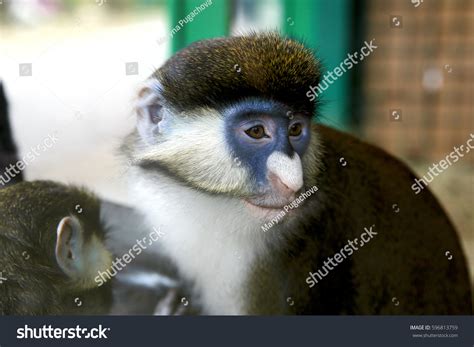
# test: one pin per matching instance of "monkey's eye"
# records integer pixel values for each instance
(295, 129)
(256, 132)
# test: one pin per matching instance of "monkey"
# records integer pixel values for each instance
(268, 212)
(52, 245)
(8, 150)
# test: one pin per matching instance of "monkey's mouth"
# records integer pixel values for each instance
(265, 210)
(264, 206)
(270, 201)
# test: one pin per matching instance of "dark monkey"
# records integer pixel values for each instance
(225, 142)
(51, 247)
(8, 150)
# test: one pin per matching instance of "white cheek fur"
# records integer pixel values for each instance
(209, 164)
(213, 240)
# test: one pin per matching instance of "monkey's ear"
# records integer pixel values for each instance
(70, 246)
(150, 111)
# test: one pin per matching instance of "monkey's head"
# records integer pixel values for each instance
(53, 243)
(80, 252)
(230, 116)
(67, 221)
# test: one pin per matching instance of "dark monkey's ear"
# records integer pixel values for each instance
(70, 247)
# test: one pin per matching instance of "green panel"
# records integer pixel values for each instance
(213, 21)
(325, 25)
(299, 20)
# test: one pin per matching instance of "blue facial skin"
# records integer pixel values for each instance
(276, 119)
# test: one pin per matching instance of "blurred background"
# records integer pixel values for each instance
(72, 68)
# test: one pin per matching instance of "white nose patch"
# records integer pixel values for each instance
(288, 170)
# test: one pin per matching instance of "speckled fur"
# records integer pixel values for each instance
(29, 215)
(233, 68)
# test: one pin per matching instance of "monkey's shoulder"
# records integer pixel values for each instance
(346, 150)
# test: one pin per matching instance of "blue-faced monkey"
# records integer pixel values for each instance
(255, 202)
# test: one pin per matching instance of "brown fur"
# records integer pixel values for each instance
(406, 259)
(270, 66)
(29, 215)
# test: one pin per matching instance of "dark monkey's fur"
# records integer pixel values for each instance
(8, 150)
(403, 270)
(36, 284)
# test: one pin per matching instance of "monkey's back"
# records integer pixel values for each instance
(404, 268)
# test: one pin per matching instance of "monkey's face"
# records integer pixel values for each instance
(245, 135)
(268, 139)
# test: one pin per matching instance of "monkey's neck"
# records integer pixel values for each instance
(212, 240)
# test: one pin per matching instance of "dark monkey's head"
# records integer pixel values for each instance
(52, 245)
(230, 118)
